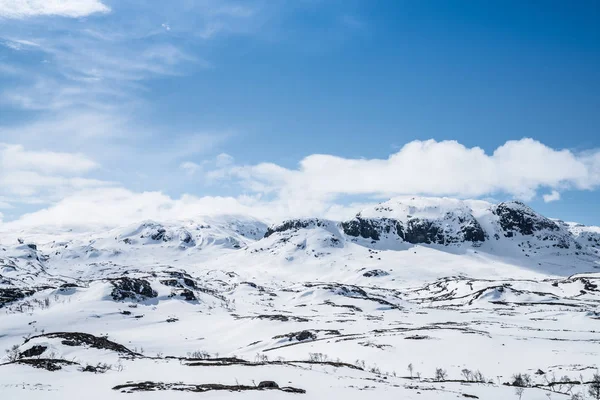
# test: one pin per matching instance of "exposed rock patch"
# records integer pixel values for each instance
(132, 288)
(86, 339)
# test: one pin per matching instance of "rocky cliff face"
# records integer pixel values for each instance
(516, 217)
(372, 228)
(412, 224)
(451, 222)
(517, 220)
(295, 225)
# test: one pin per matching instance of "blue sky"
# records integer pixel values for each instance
(224, 102)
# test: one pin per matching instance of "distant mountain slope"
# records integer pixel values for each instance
(333, 308)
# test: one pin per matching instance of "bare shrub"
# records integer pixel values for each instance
(440, 374)
(594, 388)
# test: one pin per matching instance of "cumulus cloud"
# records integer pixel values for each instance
(321, 185)
(19, 9)
(518, 168)
(553, 196)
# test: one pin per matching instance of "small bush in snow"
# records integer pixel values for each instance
(594, 389)
(318, 357)
(199, 354)
(519, 392)
(521, 380)
(13, 353)
(440, 374)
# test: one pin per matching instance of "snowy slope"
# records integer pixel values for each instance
(326, 309)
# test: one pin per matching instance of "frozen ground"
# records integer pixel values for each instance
(413, 299)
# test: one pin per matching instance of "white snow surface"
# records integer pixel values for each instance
(210, 308)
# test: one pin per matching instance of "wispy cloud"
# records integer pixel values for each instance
(15, 157)
(99, 63)
(42, 176)
(19, 9)
(84, 83)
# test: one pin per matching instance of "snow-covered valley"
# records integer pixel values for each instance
(416, 298)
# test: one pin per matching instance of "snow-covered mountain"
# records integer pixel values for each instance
(332, 308)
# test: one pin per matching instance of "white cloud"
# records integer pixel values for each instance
(18, 44)
(190, 168)
(19, 9)
(112, 207)
(223, 160)
(553, 196)
(15, 157)
(517, 168)
(41, 176)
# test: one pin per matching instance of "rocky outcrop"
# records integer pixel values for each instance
(84, 339)
(295, 224)
(516, 217)
(372, 228)
(453, 227)
(375, 273)
(10, 295)
(424, 231)
(132, 288)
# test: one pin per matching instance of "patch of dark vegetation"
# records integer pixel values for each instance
(536, 303)
(66, 286)
(187, 294)
(49, 364)
(307, 335)
(13, 294)
(348, 306)
(375, 273)
(34, 351)
(299, 336)
(183, 278)
(353, 292)
(336, 364)
(253, 285)
(99, 368)
(86, 339)
(521, 380)
(282, 318)
(314, 360)
(131, 288)
(374, 345)
(268, 385)
(207, 387)
(418, 337)
(212, 362)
